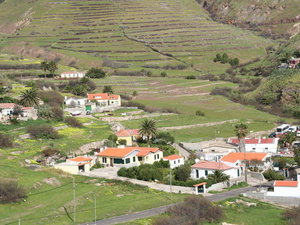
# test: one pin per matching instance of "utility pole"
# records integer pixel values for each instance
(95, 208)
(171, 182)
(19, 221)
(74, 201)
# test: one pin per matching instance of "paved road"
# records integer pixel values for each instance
(159, 210)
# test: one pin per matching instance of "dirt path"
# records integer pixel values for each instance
(198, 125)
(124, 118)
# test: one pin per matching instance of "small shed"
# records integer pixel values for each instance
(200, 188)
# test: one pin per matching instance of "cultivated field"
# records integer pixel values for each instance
(172, 35)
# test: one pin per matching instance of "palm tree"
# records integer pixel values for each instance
(289, 138)
(29, 97)
(44, 66)
(148, 129)
(241, 131)
(218, 176)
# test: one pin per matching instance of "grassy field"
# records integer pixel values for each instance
(262, 214)
(125, 35)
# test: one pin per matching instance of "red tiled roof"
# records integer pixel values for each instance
(285, 183)
(197, 185)
(127, 132)
(211, 165)
(236, 156)
(81, 159)
(102, 96)
(172, 157)
(122, 152)
(253, 141)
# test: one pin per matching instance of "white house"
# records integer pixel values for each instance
(105, 99)
(76, 165)
(203, 168)
(286, 188)
(174, 160)
(72, 75)
(75, 102)
(214, 152)
(268, 145)
(7, 111)
(129, 156)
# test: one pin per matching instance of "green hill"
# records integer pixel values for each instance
(158, 35)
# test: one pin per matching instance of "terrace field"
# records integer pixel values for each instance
(172, 35)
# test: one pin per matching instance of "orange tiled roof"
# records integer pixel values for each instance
(102, 96)
(211, 165)
(235, 156)
(197, 185)
(253, 141)
(127, 132)
(122, 152)
(285, 183)
(172, 157)
(81, 159)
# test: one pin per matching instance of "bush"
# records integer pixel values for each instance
(122, 142)
(273, 175)
(50, 151)
(53, 98)
(200, 113)
(42, 131)
(5, 141)
(58, 113)
(73, 122)
(95, 73)
(45, 112)
(164, 138)
(11, 191)
(183, 172)
(292, 215)
(163, 74)
(193, 211)
(190, 77)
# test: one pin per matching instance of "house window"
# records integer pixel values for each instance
(157, 156)
(197, 173)
(127, 160)
(154, 157)
(174, 162)
(178, 160)
(140, 158)
(133, 159)
(118, 161)
(206, 172)
(253, 148)
(266, 148)
(104, 160)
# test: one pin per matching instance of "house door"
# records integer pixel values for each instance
(81, 168)
(201, 189)
(238, 172)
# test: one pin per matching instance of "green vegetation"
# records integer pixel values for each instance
(273, 175)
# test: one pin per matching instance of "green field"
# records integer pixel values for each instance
(125, 35)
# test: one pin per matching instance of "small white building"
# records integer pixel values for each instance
(268, 145)
(203, 168)
(75, 102)
(72, 75)
(7, 111)
(76, 165)
(214, 152)
(129, 156)
(174, 160)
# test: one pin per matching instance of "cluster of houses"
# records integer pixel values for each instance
(94, 103)
(71, 75)
(12, 110)
(292, 64)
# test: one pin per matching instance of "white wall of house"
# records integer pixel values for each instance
(176, 162)
(76, 102)
(72, 168)
(152, 157)
(285, 192)
(268, 148)
(72, 75)
(203, 173)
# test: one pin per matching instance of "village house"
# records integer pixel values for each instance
(72, 75)
(236, 159)
(174, 160)
(75, 102)
(102, 101)
(286, 188)
(293, 63)
(130, 135)
(267, 145)
(129, 156)
(215, 152)
(7, 111)
(203, 168)
(76, 165)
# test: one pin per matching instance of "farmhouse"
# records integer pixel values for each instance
(72, 75)
(260, 160)
(203, 168)
(7, 111)
(129, 156)
(268, 145)
(102, 101)
(174, 160)
(76, 165)
(215, 152)
(294, 62)
(130, 135)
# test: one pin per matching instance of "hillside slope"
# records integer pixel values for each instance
(279, 18)
(172, 35)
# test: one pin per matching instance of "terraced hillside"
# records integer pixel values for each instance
(172, 35)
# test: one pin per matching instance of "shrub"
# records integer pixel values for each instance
(190, 77)
(53, 98)
(135, 93)
(163, 74)
(45, 112)
(42, 131)
(5, 141)
(58, 113)
(11, 191)
(50, 151)
(97, 165)
(182, 173)
(292, 215)
(200, 113)
(113, 138)
(272, 175)
(73, 122)
(122, 142)
(164, 138)
(95, 73)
